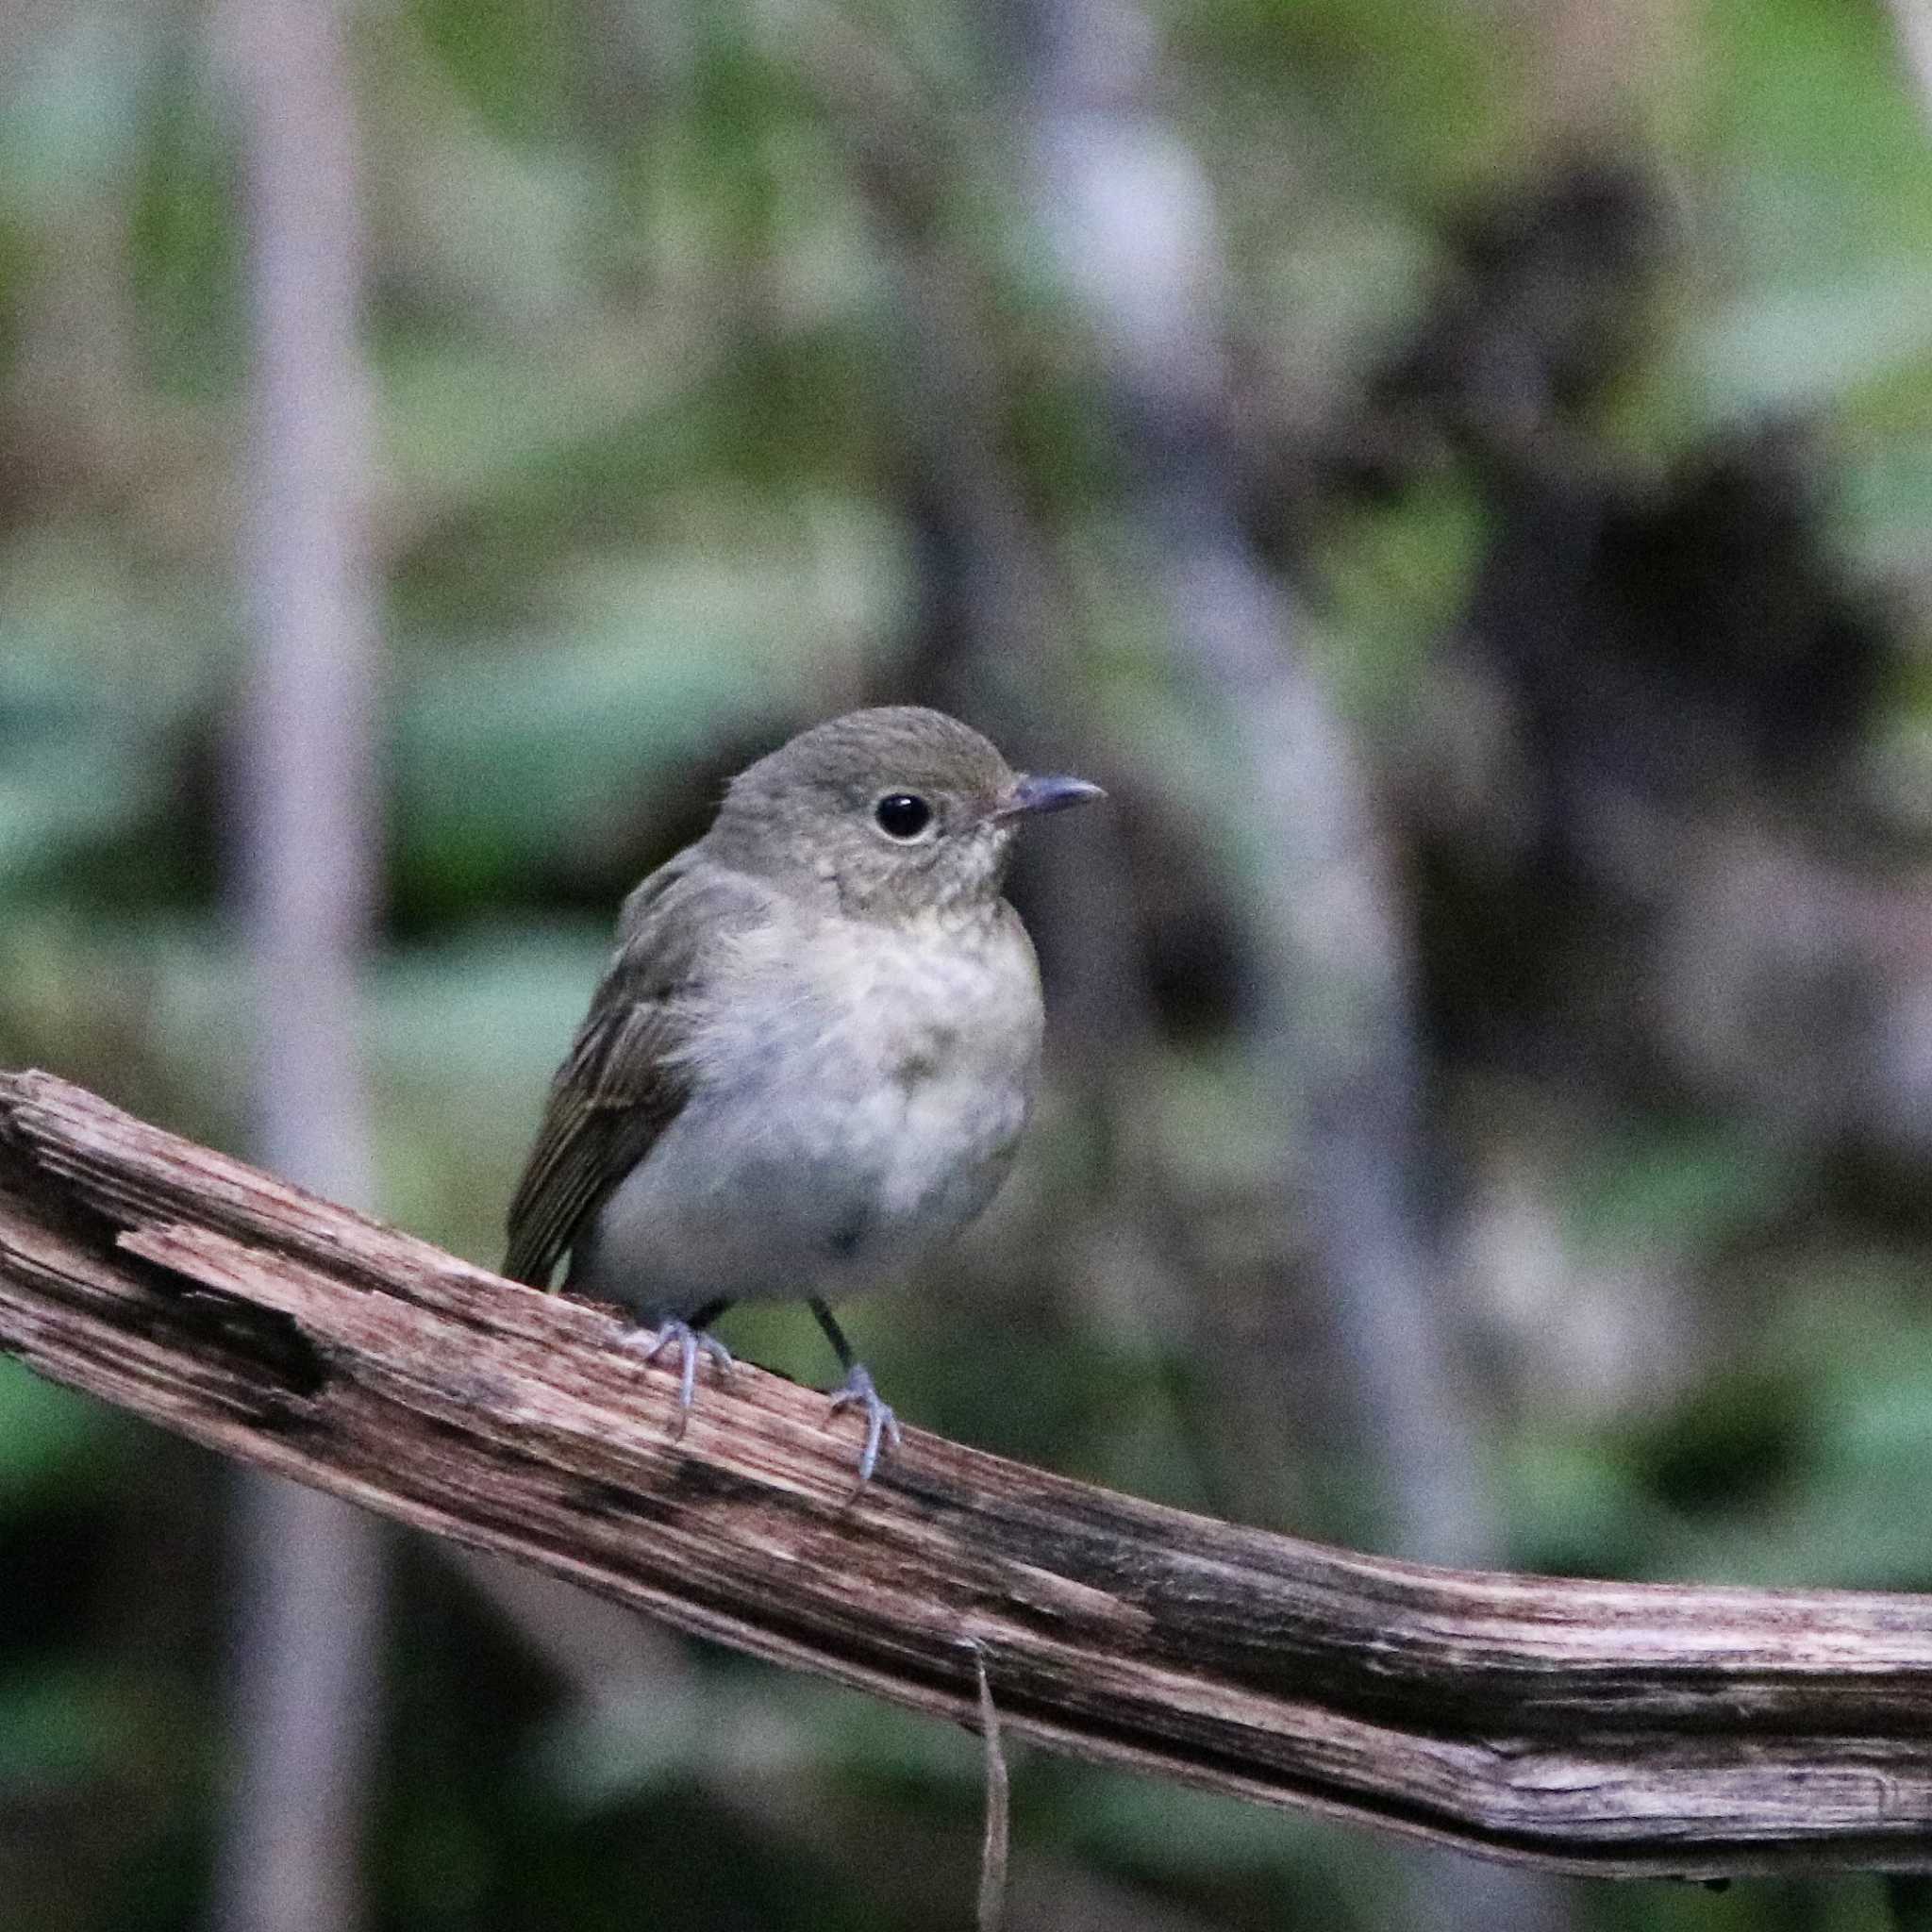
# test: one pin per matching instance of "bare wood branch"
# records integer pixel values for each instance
(1606, 1728)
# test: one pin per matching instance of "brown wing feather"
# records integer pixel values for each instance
(624, 1078)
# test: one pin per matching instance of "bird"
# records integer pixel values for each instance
(812, 1054)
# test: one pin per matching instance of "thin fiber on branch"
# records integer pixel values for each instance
(1595, 1727)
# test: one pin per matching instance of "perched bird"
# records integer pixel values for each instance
(811, 1055)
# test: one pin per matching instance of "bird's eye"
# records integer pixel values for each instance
(902, 815)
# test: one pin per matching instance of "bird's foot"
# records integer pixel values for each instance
(857, 1392)
(691, 1343)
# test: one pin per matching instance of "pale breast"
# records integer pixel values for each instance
(859, 1096)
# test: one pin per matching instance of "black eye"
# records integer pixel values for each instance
(902, 814)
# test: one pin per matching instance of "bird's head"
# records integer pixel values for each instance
(900, 811)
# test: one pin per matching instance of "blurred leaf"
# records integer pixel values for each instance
(463, 1038)
(544, 753)
(64, 1725)
(1571, 1505)
(46, 1434)
(185, 238)
(99, 674)
(1682, 1184)
(1421, 92)
(1150, 1825)
(1796, 348)
(467, 426)
(485, 225)
(1742, 1437)
(69, 114)
(52, 798)
(518, 60)
(1816, 139)
(1887, 500)
(1392, 584)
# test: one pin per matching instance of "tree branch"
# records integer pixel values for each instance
(1595, 1727)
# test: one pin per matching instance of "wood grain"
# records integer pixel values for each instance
(1606, 1728)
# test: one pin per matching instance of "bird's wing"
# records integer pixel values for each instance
(625, 1076)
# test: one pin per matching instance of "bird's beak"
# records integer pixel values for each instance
(1034, 793)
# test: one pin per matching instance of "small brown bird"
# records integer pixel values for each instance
(812, 1054)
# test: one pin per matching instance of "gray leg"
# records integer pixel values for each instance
(822, 1314)
(857, 1392)
(691, 1341)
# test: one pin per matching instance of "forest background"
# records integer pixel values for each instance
(1457, 470)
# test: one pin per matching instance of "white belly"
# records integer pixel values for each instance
(854, 1105)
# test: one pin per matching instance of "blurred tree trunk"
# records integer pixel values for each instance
(310, 1566)
(1132, 216)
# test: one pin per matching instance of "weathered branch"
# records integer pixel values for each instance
(1595, 1727)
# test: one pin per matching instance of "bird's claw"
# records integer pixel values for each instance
(857, 1392)
(691, 1343)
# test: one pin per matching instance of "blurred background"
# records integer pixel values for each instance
(1457, 470)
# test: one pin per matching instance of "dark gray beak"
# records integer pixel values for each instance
(1032, 793)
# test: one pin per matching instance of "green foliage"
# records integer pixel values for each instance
(185, 242)
(50, 1440)
(656, 450)
(516, 62)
